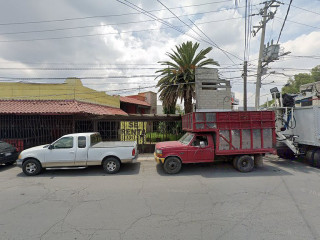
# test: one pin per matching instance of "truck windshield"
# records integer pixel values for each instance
(185, 139)
(95, 138)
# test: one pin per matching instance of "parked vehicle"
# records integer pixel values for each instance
(8, 153)
(78, 150)
(241, 137)
(298, 127)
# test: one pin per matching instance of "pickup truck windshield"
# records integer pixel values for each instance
(185, 139)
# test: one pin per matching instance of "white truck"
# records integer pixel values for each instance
(78, 150)
(298, 125)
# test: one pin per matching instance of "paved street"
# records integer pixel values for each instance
(206, 201)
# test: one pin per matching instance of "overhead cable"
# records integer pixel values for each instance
(101, 16)
(284, 21)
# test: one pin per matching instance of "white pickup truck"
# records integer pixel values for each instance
(78, 150)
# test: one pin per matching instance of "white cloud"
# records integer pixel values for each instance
(119, 50)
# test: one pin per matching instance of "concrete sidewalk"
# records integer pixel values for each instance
(146, 157)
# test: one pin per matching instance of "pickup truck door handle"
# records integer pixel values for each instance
(71, 152)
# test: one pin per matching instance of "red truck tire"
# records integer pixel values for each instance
(244, 163)
(172, 165)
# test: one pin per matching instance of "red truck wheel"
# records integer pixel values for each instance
(234, 162)
(172, 165)
(244, 163)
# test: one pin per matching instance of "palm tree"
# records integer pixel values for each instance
(177, 80)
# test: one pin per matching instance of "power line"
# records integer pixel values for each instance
(101, 16)
(112, 24)
(84, 78)
(216, 45)
(303, 24)
(160, 20)
(296, 56)
(88, 68)
(113, 90)
(103, 34)
(232, 68)
(305, 9)
(284, 21)
(137, 8)
(77, 69)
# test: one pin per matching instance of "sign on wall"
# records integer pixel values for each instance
(133, 131)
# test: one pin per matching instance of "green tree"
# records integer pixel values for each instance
(169, 109)
(315, 74)
(177, 79)
(293, 84)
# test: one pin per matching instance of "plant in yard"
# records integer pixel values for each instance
(177, 79)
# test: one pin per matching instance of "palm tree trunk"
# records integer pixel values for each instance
(187, 102)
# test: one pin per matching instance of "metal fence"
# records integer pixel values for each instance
(25, 131)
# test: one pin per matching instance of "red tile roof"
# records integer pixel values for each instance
(66, 107)
(134, 101)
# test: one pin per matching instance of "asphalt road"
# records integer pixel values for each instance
(206, 201)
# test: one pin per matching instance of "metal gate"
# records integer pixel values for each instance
(25, 131)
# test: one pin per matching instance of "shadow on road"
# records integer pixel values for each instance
(126, 169)
(297, 165)
(6, 167)
(223, 169)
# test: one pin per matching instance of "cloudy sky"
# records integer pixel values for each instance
(116, 48)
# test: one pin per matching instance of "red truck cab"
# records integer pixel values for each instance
(241, 137)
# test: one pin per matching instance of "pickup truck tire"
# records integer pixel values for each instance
(111, 165)
(31, 167)
(172, 165)
(244, 163)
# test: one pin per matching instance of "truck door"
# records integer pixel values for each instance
(61, 153)
(201, 154)
(82, 151)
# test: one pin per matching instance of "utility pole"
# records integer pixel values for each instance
(259, 71)
(266, 17)
(245, 74)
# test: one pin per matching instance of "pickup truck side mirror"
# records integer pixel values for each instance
(202, 144)
(50, 147)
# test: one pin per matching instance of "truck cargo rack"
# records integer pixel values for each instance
(237, 132)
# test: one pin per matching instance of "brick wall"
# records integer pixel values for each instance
(212, 93)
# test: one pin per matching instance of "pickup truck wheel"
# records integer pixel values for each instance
(111, 165)
(172, 165)
(244, 163)
(31, 167)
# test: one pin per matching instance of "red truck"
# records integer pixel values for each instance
(241, 137)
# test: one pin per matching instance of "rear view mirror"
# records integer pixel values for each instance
(50, 147)
(202, 144)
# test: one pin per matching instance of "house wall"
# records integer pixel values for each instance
(151, 98)
(71, 89)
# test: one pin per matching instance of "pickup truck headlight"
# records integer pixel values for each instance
(159, 152)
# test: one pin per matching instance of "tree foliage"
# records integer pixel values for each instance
(293, 84)
(177, 79)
